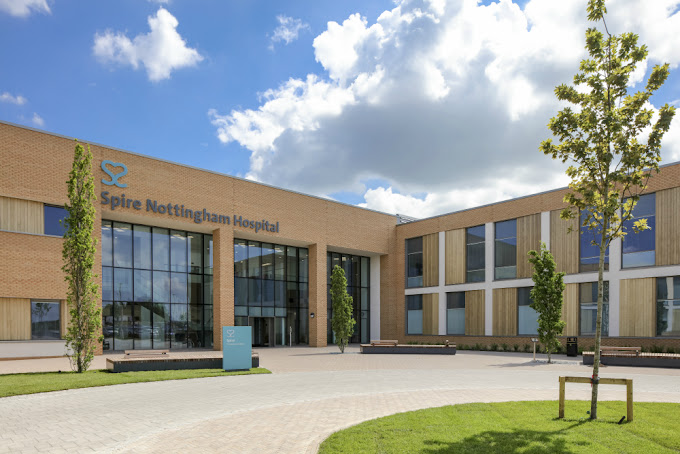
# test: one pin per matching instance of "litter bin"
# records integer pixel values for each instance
(572, 346)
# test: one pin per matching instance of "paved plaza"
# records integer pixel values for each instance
(311, 393)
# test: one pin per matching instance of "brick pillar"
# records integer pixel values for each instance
(317, 296)
(223, 283)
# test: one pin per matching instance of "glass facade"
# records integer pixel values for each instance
(475, 261)
(588, 308)
(505, 250)
(357, 272)
(455, 313)
(271, 281)
(527, 317)
(54, 220)
(156, 287)
(414, 314)
(45, 320)
(414, 262)
(639, 249)
(668, 306)
(589, 251)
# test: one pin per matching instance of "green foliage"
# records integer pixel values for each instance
(514, 427)
(602, 139)
(494, 347)
(515, 347)
(504, 347)
(84, 330)
(342, 321)
(547, 298)
(41, 382)
(527, 348)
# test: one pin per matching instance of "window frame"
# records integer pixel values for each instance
(495, 250)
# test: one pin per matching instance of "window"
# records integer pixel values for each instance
(54, 220)
(668, 306)
(156, 287)
(590, 253)
(455, 313)
(357, 288)
(474, 239)
(588, 299)
(45, 320)
(414, 262)
(414, 314)
(527, 318)
(639, 248)
(270, 280)
(506, 249)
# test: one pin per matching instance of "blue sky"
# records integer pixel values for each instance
(418, 107)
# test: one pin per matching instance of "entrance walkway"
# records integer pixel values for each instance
(312, 393)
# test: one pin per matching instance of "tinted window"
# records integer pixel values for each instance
(54, 220)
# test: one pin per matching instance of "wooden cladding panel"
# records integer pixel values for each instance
(637, 307)
(528, 238)
(455, 251)
(474, 313)
(668, 227)
(64, 317)
(564, 246)
(570, 310)
(431, 314)
(17, 215)
(504, 312)
(15, 319)
(431, 260)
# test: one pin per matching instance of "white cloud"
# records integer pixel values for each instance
(161, 51)
(288, 30)
(444, 98)
(37, 120)
(23, 8)
(8, 97)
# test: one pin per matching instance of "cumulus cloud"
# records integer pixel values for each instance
(23, 8)
(37, 120)
(444, 98)
(9, 98)
(288, 30)
(160, 51)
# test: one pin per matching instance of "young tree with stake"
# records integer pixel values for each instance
(547, 298)
(84, 329)
(602, 138)
(342, 321)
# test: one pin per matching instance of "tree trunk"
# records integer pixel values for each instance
(598, 327)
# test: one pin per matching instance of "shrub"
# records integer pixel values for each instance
(580, 350)
(494, 347)
(657, 349)
(670, 350)
(478, 347)
(504, 347)
(527, 348)
(515, 347)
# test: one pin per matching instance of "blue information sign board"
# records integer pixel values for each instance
(237, 347)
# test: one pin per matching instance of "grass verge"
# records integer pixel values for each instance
(516, 427)
(16, 384)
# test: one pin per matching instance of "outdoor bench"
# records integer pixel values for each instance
(146, 352)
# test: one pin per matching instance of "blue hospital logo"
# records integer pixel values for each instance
(114, 176)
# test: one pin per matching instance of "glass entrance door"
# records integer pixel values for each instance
(263, 331)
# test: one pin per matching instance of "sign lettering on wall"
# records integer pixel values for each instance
(198, 216)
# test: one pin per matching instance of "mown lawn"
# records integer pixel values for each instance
(15, 384)
(516, 427)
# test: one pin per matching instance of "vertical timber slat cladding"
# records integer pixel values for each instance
(431, 314)
(65, 317)
(528, 238)
(15, 319)
(474, 313)
(505, 312)
(431, 260)
(564, 246)
(637, 301)
(570, 310)
(17, 215)
(668, 227)
(455, 256)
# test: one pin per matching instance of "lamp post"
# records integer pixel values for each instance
(534, 340)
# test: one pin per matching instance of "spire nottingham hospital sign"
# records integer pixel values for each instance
(198, 216)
